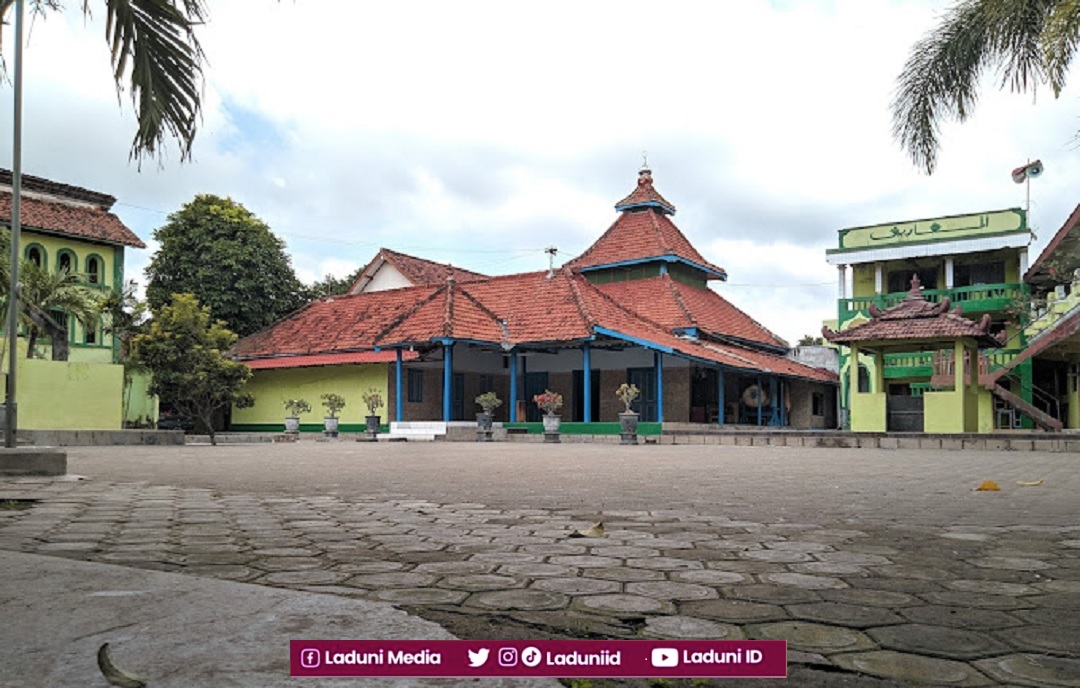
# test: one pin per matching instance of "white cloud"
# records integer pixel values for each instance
(480, 132)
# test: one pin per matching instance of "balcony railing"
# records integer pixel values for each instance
(939, 364)
(980, 298)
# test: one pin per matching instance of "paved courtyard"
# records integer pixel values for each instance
(879, 567)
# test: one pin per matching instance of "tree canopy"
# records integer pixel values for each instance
(227, 257)
(187, 355)
(157, 57)
(1028, 42)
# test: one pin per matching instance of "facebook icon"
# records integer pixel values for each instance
(309, 659)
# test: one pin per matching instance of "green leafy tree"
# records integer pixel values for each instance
(157, 57)
(1028, 42)
(216, 249)
(126, 317)
(187, 355)
(331, 286)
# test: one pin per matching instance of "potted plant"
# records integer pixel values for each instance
(488, 402)
(294, 407)
(374, 401)
(628, 419)
(333, 403)
(549, 402)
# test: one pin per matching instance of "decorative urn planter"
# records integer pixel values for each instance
(628, 422)
(484, 425)
(551, 427)
(292, 425)
(371, 428)
(330, 427)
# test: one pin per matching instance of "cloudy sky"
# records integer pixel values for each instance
(479, 133)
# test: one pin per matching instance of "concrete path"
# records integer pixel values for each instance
(878, 567)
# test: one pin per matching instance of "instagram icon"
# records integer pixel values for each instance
(508, 656)
(309, 658)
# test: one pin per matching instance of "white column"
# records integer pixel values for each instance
(1023, 263)
(843, 280)
(949, 273)
(878, 278)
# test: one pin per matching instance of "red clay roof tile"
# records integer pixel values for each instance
(78, 220)
(418, 271)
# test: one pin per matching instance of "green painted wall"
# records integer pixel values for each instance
(862, 280)
(139, 405)
(868, 412)
(111, 262)
(272, 387)
(69, 395)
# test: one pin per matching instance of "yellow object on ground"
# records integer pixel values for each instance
(988, 486)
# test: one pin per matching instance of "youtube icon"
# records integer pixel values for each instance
(665, 657)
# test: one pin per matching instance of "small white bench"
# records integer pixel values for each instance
(414, 431)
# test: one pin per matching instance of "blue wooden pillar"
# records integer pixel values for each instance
(783, 403)
(774, 419)
(761, 396)
(513, 387)
(658, 363)
(448, 379)
(720, 397)
(586, 380)
(398, 401)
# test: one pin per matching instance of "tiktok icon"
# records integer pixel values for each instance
(309, 659)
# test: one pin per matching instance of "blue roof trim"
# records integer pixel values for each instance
(634, 340)
(668, 258)
(646, 204)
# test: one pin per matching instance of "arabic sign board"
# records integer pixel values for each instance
(938, 229)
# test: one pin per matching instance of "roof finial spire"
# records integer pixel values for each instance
(644, 159)
(551, 251)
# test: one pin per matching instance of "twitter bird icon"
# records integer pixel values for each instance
(477, 659)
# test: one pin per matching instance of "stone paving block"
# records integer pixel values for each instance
(518, 600)
(623, 604)
(506, 558)
(368, 566)
(286, 563)
(454, 567)
(938, 641)
(774, 594)
(420, 596)
(708, 577)
(624, 551)
(664, 564)
(1012, 563)
(668, 590)
(577, 624)
(960, 617)
(577, 586)
(536, 570)
(1063, 639)
(887, 443)
(733, 611)
(776, 556)
(624, 574)
(812, 637)
(980, 600)
(314, 577)
(871, 598)
(391, 580)
(841, 614)
(805, 581)
(1065, 586)
(1032, 670)
(913, 669)
(689, 628)
(480, 582)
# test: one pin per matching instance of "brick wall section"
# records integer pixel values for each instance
(677, 395)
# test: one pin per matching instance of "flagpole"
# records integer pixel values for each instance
(10, 407)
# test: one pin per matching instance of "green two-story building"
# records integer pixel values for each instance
(71, 229)
(977, 261)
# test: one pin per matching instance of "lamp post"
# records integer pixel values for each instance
(10, 409)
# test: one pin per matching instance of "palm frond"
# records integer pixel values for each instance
(154, 47)
(1059, 42)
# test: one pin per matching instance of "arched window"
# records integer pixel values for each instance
(93, 270)
(65, 262)
(35, 254)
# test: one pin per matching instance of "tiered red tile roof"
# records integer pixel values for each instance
(642, 232)
(418, 271)
(67, 210)
(536, 308)
(914, 318)
(677, 306)
(645, 195)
